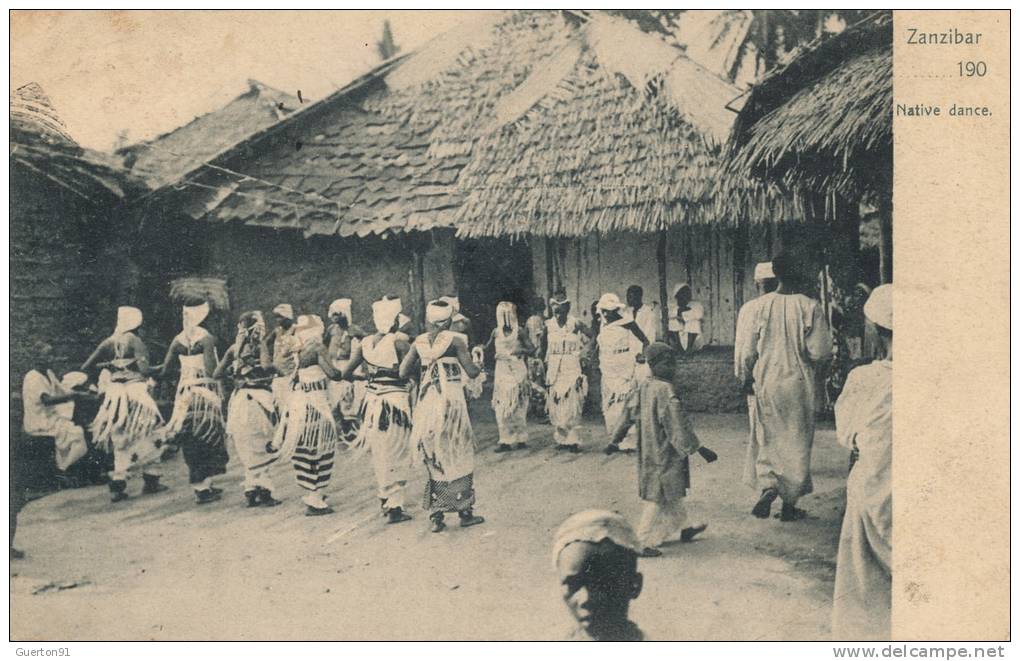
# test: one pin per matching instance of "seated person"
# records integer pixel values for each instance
(595, 554)
(49, 408)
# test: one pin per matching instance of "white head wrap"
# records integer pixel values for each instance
(342, 305)
(284, 310)
(384, 312)
(193, 315)
(763, 271)
(681, 285)
(506, 315)
(436, 313)
(452, 301)
(879, 307)
(128, 319)
(309, 329)
(609, 302)
(74, 380)
(594, 526)
(558, 299)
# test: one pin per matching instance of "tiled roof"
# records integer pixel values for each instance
(532, 116)
(168, 157)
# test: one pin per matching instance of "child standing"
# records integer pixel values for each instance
(665, 439)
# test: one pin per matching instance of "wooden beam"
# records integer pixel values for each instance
(660, 258)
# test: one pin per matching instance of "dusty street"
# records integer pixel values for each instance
(160, 568)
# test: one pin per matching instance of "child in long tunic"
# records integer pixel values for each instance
(441, 427)
(510, 385)
(307, 433)
(128, 418)
(566, 338)
(197, 424)
(386, 413)
(251, 414)
(666, 439)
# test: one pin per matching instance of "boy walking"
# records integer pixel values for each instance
(665, 439)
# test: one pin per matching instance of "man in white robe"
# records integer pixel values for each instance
(863, 591)
(787, 338)
(765, 282)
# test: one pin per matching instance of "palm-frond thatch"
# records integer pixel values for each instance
(823, 123)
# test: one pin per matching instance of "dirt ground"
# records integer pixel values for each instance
(160, 568)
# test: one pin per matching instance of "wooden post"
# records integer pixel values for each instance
(741, 249)
(550, 269)
(418, 259)
(660, 257)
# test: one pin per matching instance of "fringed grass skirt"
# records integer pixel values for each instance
(444, 438)
(511, 391)
(127, 423)
(198, 426)
(565, 400)
(307, 435)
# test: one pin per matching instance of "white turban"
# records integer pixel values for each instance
(506, 315)
(594, 526)
(763, 271)
(284, 310)
(682, 285)
(309, 329)
(438, 311)
(128, 319)
(879, 307)
(342, 305)
(452, 301)
(558, 300)
(193, 315)
(384, 313)
(609, 302)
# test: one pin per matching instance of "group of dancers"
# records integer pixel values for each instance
(297, 392)
(303, 388)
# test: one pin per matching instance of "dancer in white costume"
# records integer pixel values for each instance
(620, 345)
(197, 424)
(566, 342)
(307, 433)
(251, 414)
(511, 386)
(342, 339)
(128, 417)
(386, 412)
(441, 426)
(285, 346)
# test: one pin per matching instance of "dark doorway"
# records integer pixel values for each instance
(488, 271)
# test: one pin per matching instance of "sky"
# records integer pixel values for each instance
(149, 72)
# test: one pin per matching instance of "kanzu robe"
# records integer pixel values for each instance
(863, 592)
(787, 337)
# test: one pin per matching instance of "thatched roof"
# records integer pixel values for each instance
(167, 157)
(539, 122)
(823, 123)
(40, 144)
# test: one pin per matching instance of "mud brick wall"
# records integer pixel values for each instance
(706, 383)
(63, 286)
(265, 267)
